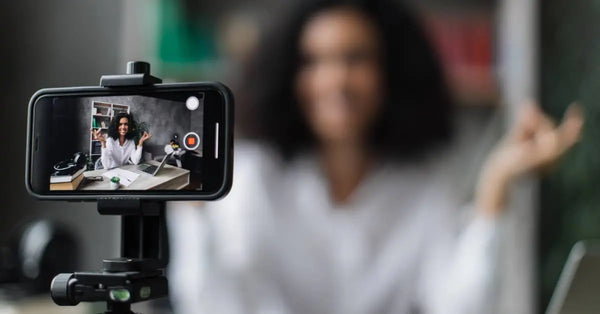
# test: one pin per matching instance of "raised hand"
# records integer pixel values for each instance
(97, 135)
(144, 137)
(534, 143)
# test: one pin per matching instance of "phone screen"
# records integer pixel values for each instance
(118, 142)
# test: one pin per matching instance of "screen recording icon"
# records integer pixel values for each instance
(191, 141)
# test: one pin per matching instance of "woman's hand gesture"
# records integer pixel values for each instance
(144, 137)
(535, 142)
(98, 136)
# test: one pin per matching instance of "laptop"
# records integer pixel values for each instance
(153, 170)
(579, 282)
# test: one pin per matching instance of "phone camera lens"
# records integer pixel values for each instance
(192, 103)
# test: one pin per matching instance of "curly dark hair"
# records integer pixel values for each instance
(113, 128)
(416, 112)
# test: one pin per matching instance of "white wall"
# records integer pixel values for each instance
(518, 55)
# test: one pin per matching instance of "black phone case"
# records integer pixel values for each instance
(142, 195)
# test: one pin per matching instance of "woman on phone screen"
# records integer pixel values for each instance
(119, 147)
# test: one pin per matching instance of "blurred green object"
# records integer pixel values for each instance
(119, 295)
(570, 71)
(184, 39)
(139, 130)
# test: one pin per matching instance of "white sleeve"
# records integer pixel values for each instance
(214, 247)
(201, 279)
(107, 158)
(465, 281)
(136, 154)
(189, 255)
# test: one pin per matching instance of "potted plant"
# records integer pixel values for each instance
(139, 130)
(90, 163)
(114, 183)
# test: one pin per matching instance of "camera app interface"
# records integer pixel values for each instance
(130, 142)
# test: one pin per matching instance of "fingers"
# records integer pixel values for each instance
(531, 121)
(145, 136)
(97, 135)
(526, 121)
(552, 143)
(535, 142)
(570, 129)
(544, 122)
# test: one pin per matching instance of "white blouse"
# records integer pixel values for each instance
(114, 155)
(279, 244)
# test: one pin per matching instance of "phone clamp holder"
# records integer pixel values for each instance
(138, 275)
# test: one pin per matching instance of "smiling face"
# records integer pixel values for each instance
(123, 126)
(339, 82)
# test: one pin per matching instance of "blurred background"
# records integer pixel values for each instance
(495, 55)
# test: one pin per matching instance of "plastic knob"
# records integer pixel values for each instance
(138, 67)
(61, 289)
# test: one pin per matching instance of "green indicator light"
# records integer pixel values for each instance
(145, 292)
(120, 295)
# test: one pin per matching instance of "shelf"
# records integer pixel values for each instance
(113, 109)
(102, 104)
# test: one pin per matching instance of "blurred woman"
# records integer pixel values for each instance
(347, 208)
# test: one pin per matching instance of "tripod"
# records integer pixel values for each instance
(138, 274)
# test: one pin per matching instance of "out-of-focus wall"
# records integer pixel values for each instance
(518, 58)
(51, 44)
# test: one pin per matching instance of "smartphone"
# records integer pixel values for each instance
(163, 141)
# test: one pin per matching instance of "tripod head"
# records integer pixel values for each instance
(137, 275)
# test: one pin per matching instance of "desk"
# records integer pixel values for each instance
(168, 178)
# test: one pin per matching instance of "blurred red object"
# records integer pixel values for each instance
(464, 43)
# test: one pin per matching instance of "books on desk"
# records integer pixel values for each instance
(67, 186)
(66, 177)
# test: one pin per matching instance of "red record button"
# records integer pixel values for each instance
(191, 141)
